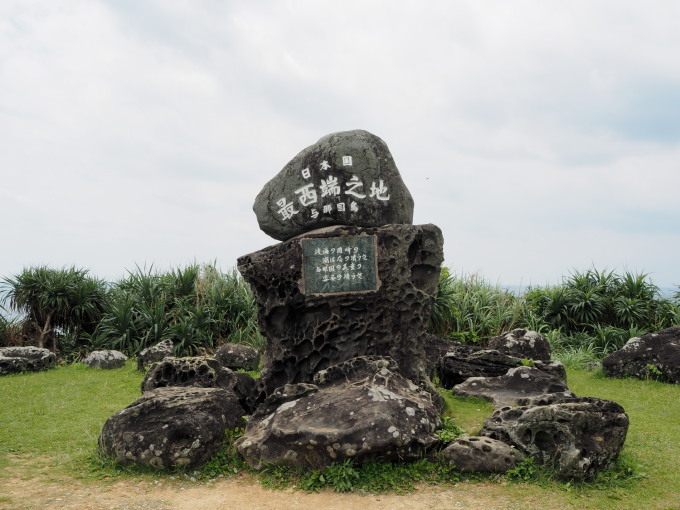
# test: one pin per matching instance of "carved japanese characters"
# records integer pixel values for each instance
(346, 178)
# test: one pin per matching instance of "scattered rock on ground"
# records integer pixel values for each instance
(14, 360)
(454, 362)
(238, 357)
(518, 383)
(154, 353)
(171, 427)
(200, 371)
(107, 359)
(522, 343)
(478, 454)
(578, 436)
(360, 409)
(653, 355)
(346, 178)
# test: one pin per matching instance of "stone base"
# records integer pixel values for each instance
(308, 332)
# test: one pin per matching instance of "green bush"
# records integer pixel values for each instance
(198, 308)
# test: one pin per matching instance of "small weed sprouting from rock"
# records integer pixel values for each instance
(524, 471)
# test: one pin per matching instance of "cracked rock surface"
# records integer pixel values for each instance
(361, 409)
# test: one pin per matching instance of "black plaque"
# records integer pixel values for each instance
(335, 265)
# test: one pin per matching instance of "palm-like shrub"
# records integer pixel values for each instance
(469, 309)
(197, 307)
(57, 302)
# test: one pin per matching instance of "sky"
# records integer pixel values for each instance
(542, 137)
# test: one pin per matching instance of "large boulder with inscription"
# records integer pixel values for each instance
(346, 178)
(653, 355)
(361, 409)
(577, 436)
(203, 372)
(522, 343)
(14, 360)
(331, 295)
(171, 427)
(454, 363)
(518, 383)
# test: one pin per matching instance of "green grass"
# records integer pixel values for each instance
(59, 413)
(50, 421)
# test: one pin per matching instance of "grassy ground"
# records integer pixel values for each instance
(50, 421)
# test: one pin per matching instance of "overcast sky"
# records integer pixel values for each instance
(540, 136)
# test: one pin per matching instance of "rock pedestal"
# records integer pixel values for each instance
(334, 294)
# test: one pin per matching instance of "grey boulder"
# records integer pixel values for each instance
(522, 343)
(14, 360)
(577, 436)
(203, 372)
(107, 359)
(478, 454)
(238, 357)
(154, 353)
(346, 178)
(361, 409)
(516, 384)
(654, 355)
(171, 427)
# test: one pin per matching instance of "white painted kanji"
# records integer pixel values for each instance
(307, 194)
(325, 165)
(347, 161)
(353, 184)
(306, 173)
(330, 186)
(287, 210)
(379, 191)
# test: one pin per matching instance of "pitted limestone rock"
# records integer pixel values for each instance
(106, 360)
(346, 178)
(14, 360)
(307, 332)
(653, 355)
(200, 371)
(578, 436)
(360, 409)
(522, 343)
(171, 427)
(477, 454)
(154, 353)
(518, 383)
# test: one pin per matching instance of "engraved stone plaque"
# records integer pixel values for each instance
(339, 265)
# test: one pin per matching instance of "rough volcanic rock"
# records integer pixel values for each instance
(454, 362)
(154, 353)
(15, 360)
(170, 427)
(476, 454)
(578, 436)
(105, 359)
(516, 384)
(308, 332)
(360, 409)
(346, 178)
(522, 343)
(203, 372)
(654, 355)
(238, 357)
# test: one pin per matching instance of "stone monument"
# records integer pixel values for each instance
(353, 276)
